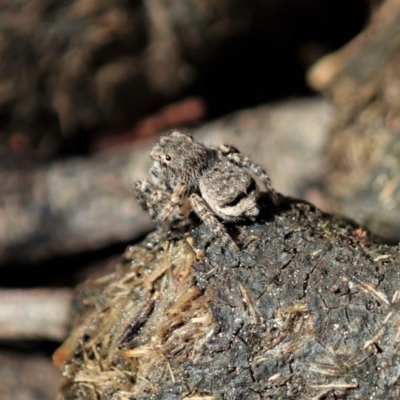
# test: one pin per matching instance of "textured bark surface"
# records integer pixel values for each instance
(363, 80)
(307, 309)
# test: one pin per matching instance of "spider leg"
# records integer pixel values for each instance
(178, 194)
(143, 190)
(205, 214)
(150, 197)
(156, 201)
(225, 149)
(244, 162)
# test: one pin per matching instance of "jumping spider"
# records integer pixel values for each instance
(217, 183)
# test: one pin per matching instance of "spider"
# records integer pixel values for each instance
(217, 183)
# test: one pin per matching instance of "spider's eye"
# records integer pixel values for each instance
(168, 157)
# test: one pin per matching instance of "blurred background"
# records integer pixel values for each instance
(85, 88)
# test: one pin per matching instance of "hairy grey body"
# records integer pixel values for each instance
(217, 183)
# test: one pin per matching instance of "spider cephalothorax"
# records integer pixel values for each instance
(180, 158)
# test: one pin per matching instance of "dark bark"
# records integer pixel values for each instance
(307, 309)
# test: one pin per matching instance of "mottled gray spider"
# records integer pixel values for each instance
(217, 183)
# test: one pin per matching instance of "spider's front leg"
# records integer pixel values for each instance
(205, 214)
(225, 149)
(143, 190)
(150, 197)
(243, 162)
(176, 199)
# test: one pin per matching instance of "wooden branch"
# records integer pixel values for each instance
(362, 60)
(34, 314)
